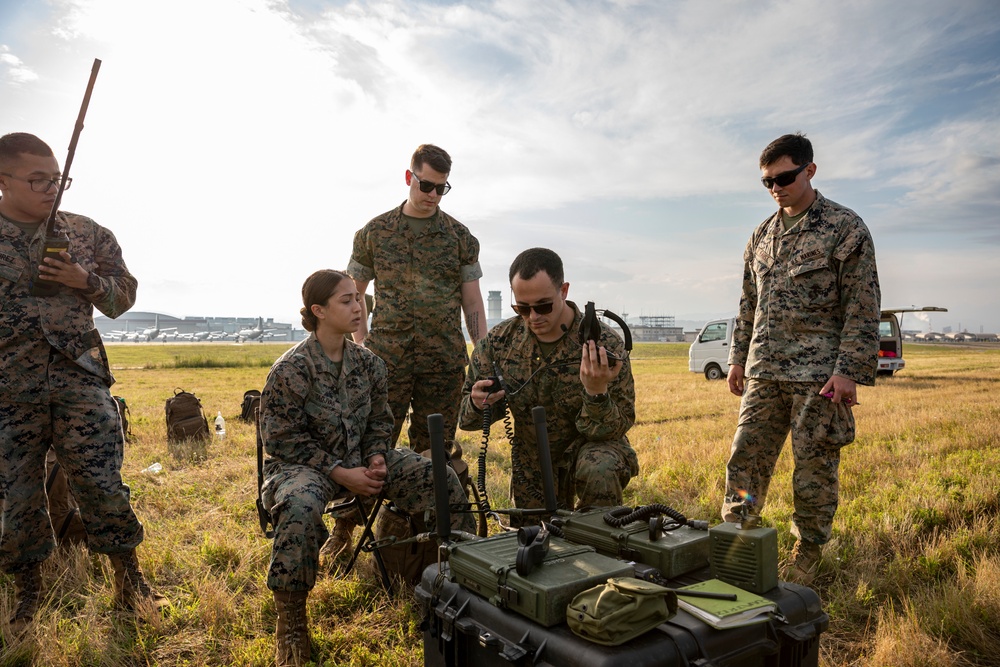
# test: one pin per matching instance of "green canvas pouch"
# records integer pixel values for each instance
(620, 610)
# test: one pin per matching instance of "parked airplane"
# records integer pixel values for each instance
(258, 333)
(151, 333)
(202, 335)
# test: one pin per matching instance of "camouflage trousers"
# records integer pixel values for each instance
(426, 394)
(297, 495)
(594, 474)
(819, 428)
(82, 425)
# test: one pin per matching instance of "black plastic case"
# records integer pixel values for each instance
(461, 628)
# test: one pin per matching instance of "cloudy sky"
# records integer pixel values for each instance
(234, 146)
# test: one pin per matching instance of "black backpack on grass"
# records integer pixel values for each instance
(251, 401)
(185, 418)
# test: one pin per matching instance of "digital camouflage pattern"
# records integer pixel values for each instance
(819, 429)
(591, 455)
(313, 419)
(809, 309)
(810, 302)
(416, 326)
(54, 390)
(31, 326)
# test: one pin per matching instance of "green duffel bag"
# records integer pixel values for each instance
(620, 610)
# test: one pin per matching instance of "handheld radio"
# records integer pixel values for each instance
(54, 245)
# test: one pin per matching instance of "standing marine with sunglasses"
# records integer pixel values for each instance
(425, 265)
(806, 335)
(54, 388)
(587, 391)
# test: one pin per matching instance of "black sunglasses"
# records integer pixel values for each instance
(525, 311)
(784, 178)
(427, 186)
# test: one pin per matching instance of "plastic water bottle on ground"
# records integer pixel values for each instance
(220, 426)
(153, 469)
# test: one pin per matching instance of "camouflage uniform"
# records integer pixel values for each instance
(591, 454)
(809, 310)
(417, 324)
(313, 419)
(54, 389)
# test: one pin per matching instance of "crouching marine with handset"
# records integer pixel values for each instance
(554, 355)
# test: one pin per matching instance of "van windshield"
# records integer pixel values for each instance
(713, 332)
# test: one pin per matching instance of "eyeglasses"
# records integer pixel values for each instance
(784, 178)
(41, 184)
(540, 308)
(427, 186)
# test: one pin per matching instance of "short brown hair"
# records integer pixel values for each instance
(15, 143)
(436, 157)
(795, 146)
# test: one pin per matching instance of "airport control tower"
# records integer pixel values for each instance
(494, 309)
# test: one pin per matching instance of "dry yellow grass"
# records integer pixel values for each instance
(912, 576)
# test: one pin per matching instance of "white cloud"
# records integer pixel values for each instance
(234, 139)
(14, 69)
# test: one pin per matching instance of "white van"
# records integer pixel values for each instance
(709, 353)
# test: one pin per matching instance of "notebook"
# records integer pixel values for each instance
(748, 608)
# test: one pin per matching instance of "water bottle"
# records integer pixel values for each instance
(220, 426)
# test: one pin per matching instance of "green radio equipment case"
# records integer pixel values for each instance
(487, 567)
(462, 628)
(673, 553)
(747, 558)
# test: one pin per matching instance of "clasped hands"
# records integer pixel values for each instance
(362, 481)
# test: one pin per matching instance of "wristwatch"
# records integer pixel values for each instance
(597, 398)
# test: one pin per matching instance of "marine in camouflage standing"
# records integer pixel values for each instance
(588, 396)
(806, 335)
(55, 385)
(326, 426)
(425, 265)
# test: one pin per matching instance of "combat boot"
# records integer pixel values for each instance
(291, 635)
(131, 587)
(803, 564)
(27, 593)
(339, 544)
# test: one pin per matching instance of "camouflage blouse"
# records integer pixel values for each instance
(810, 302)
(418, 287)
(314, 416)
(31, 327)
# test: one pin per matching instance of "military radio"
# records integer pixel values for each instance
(55, 245)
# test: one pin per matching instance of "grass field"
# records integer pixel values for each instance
(911, 577)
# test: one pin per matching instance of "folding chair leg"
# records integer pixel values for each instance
(368, 536)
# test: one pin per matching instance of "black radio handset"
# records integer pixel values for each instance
(590, 330)
(590, 326)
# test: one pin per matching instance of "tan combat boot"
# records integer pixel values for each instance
(803, 564)
(131, 587)
(292, 633)
(27, 593)
(339, 545)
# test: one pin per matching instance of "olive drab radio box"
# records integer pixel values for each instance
(487, 568)
(672, 552)
(462, 628)
(744, 557)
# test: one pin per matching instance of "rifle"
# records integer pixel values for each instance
(54, 245)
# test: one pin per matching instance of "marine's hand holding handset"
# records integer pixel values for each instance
(55, 245)
(590, 329)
